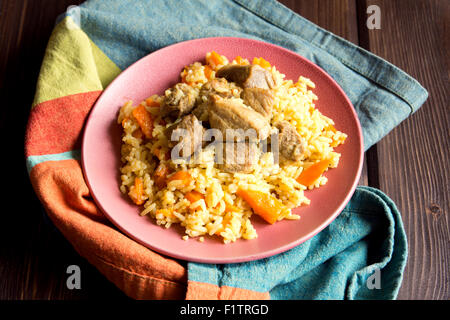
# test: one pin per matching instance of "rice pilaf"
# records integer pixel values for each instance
(199, 195)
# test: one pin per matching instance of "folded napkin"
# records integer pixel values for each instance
(360, 255)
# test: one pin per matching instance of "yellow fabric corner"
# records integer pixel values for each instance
(72, 64)
(106, 69)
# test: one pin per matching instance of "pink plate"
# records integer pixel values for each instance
(160, 70)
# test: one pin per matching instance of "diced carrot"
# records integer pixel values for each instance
(231, 208)
(184, 176)
(311, 174)
(138, 196)
(331, 128)
(216, 58)
(263, 204)
(144, 120)
(160, 175)
(183, 79)
(334, 144)
(208, 72)
(261, 62)
(225, 222)
(194, 196)
(240, 61)
(123, 121)
(152, 103)
(168, 213)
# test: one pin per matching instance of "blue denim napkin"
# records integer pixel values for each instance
(360, 255)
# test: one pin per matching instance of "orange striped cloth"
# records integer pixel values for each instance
(73, 74)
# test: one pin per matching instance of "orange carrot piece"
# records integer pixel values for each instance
(216, 58)
(152, 103)
(231, 208)
(144, 120)
(168, 213)
(311, 174)
(208, 72)
(263, 204)
(262, 63)
(183, 176)
(139, 192)
(123, 122)
(331, 128)
(160, 175)
(240, 61)
(226, 220)
(194, 196)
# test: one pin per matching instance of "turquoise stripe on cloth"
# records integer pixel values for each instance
(31, 161)
(367, 241)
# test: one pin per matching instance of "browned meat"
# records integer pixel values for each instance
(237, 156)
(220, 87)
(291, 144)
(191, 139)
(178, 100)
(201, 111)
(260, 100)
(249, 76)
(233, 114)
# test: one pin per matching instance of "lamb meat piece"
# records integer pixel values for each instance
(249, 76)
(220, 87)
(178, 100)
(291, 144)
(234, 114)
(260, 100)
(239, 157)
(191, 138)
(201, 111)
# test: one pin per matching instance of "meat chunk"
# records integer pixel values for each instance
(249, 76)
(260, 100)
(291, 144)
(220, 87)
(191, 136)
(237, 156)
(234, 114)
(178, 100)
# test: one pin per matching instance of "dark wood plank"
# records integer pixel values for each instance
(413, 159)
(339, 17)
(33, 256)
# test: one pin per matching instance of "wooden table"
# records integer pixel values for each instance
(410, 164)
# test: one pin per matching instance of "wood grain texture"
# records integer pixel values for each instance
(413, 159)
(33, 256)
(410, 164)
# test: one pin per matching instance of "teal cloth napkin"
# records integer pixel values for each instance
(362, 253)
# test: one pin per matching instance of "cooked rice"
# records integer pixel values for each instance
(294, 102)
